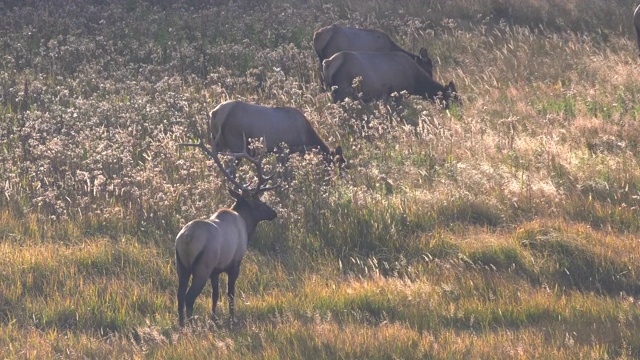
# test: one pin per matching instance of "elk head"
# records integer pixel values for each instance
(247, 197)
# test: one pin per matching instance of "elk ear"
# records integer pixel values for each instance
(423, 53)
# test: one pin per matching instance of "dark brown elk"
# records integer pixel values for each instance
(382, 74)
(206, 248)
(233, 124)
(333, 39)
(636, 24)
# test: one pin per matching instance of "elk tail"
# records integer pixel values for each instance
(217, 117)
(212, 137)
(320, 40)
(189, 249)
(331, 66)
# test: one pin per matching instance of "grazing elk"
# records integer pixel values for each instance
(206, 248)
(382, 74)
(636, 24)
(233, 124)
(333, 39)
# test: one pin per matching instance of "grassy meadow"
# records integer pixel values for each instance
(506, 228)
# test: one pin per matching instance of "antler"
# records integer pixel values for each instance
(262, 180)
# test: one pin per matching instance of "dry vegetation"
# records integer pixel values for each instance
(505, 228)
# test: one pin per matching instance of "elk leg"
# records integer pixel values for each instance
(336, 97)
(323, 81)
(342, 91)
(183, 282)
(231, 290)
(215, 295)
(197, 284)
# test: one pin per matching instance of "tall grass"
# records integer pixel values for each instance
(503, 228)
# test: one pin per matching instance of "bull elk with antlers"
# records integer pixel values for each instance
(206, 248)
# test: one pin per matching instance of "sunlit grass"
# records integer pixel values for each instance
(123, 294)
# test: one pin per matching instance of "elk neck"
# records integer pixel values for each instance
(244, 210)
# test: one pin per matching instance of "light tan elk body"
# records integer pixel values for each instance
(382, 74)
(636, 24)
(333, 39)
(206, 248)
(233, 124)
